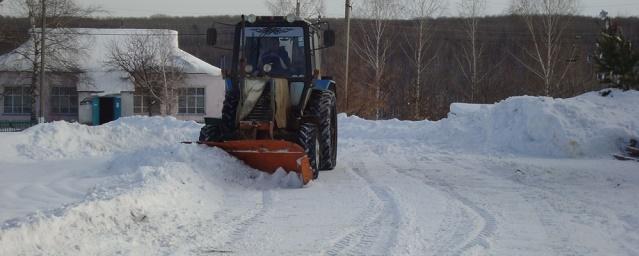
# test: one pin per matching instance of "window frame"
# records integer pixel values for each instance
(64, 101)
(144, 108)
(190, 99)
(25, 108)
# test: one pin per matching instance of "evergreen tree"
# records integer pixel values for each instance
(618, 64)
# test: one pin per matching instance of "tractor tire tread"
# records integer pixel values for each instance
(307, 137)
(322, 106)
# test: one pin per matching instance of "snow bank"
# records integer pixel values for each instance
(157, 190)
(153, 201)
(585, 126)
(62, 140)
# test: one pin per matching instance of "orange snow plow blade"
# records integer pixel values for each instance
(269, 155)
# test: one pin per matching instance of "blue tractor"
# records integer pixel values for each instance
(279, 109)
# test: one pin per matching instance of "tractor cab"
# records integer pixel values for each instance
(275, 46)
(279, 48)
(276, 52)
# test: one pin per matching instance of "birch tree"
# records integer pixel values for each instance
(419, 42)
(546, 22)
(62, 48)
(308, 8)
(472, 50)
(373, 43)
(153, 67)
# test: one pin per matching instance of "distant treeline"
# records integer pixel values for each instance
(503, 40)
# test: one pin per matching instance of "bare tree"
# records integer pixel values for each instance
(153, 66)
(472, 50)
(62, 49)
(546, 21)
(373, 42)
(308, 8)
(419, 42)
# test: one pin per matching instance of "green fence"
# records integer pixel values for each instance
(15, 126)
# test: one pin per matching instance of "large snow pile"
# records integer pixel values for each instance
(170, 189)
(589, 125)
(61, 140)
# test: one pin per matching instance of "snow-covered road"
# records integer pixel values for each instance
(398, 189)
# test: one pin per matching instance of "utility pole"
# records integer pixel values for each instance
(42, 60)
(1, 36)
(297, 9)
(348, 46)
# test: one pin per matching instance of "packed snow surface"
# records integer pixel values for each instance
(525, 176)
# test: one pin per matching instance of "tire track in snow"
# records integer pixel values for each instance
(459, 243)
(539, 197)
(241, 226)
(547, 216)
(381, 220)
(453, 230)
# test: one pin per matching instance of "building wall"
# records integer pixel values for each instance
(214, 97)
(22, 79)
(85, 110)
(127, 103)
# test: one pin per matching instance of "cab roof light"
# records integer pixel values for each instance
(251, 18)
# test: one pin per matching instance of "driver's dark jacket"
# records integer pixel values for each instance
(278, 59)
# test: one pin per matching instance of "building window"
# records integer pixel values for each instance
(17, 100)
(191, 101)
(141, 103)
(64, 100)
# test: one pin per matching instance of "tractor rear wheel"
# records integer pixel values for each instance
(322, 105)
(308, 138)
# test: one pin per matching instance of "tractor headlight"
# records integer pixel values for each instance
(251, 18)
(291, 18)
(248, 68)
(267, 68)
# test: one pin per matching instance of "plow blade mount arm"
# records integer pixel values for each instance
(269, 155)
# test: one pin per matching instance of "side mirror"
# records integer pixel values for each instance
(211, 36)
(329, 38)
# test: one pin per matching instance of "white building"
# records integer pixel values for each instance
(99, 94)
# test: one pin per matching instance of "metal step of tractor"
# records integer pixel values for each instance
(625, 158)
(632, 151)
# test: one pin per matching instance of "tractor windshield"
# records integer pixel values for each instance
(282, 48)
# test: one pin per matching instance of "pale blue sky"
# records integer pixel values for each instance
(335, 8)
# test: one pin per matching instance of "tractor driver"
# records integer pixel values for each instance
(274, 55)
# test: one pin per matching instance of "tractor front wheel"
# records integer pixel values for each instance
(309, 140)
(209, 133)
(322, 105)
